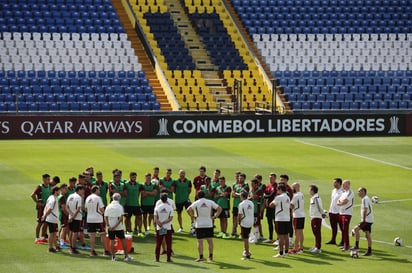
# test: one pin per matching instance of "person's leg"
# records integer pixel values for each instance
(333, 219)
(159, 239)
(210, 243)
(234, 224)
(369, 239)
(179, 219)
(103, 240)
(223, 224)
(92, 241)
(200, 248)
(270, 227)
(128, 223)
(318, 234)
(138, 222)
(168, 239)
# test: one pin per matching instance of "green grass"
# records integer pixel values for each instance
(382, 165)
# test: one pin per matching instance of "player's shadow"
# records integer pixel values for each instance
(385, 256)
(269, 262)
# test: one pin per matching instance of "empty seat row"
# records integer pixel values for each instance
(37, 36)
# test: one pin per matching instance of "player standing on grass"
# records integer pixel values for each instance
(316, 214)
(163, 216)
(238, 187)
(117, 186)
(74, 207)
(269, 196)
(132, 207)
(334, 210)
(222, 197)
(113, 216)
(366, 222)
(202, 210)
(103, 187)
(246, 219)
(183, 187)
(63, 216)
(40, 195)
(50, 216)
(168, 183)
(345, 204)
(298, 208)
(281, 203)
(200, 180)
(148, 193)
(95, 209)
(284, 179)
(256, 196)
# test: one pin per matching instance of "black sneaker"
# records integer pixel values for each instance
(331, 242)
(107, 253)
(52, 250)
(340, 244)
(367, 254)
(93, 253)
(169, 260)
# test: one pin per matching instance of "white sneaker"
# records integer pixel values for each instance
(267, 241)
(180, 230)
(276, 248)
(315, 250)
(276, 242)
(279, 256)
(128, 259)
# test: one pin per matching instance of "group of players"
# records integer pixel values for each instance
(82, 208)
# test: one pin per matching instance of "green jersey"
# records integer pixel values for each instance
(45, 192)
(223, 202)
(70, 191)
(182, 190)
(209, 191)
(61, 200)
(168, 184)
(239, 188)
(133, 192)
(118, 188)
(149, 200)
(104, 188)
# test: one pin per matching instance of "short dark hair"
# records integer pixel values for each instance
(201, 194)
(245, 194)
(202, 168)
(314, 188)
(258, 177)
(46, 175)
(64, 185)
(282, 187)
(81, 176)
(133, 173)
(163, 197)
(95, 188)
(254, 180)
(72, 179)
(339, 180)
(56, 179)
(54, 189)
(284, 176)
(99, 173)
(243, 175)
(79, 187)
(222, 178)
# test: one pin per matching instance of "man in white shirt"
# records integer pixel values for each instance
(282, 219)
(366, 222)
(113, 216)
(334, 210)
(345, 204)
(202, 211)
(74, 206)
(94, 207)
(246, 219)
(298, 209)
(163, 216)
(51, 216)
(316, 215)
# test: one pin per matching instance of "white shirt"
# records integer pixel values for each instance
(169, 201)
(164, 211)
(51, 203)
(246, 209)
(74, 202)
(203, 209)
(336, 193)
(114, 211)
(282, 208)
(347, 209)
(315, 209)
(93, 205)
(298, 205)
(366, 203)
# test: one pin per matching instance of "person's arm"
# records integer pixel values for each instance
(218, 212)
(119, 220)
(34, 195)
(190, 212)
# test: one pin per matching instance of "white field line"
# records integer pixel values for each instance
(356, 155)
(376, 241)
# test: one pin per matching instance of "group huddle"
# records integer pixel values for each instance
(82, 208)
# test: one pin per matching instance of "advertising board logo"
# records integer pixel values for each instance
(162, 127)
(394, 129)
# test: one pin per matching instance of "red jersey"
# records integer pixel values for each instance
(270, 192)
(198, 181)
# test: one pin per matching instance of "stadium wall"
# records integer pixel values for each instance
(202, 126)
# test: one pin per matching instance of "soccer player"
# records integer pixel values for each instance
(256, 196)
(40, 195)
(103, 187)
(148, 195)
(117, 186)
(55, 181)
(284, 179)
(298, 208)
(171, 203)
(269, 195)
(202, 210)
(113, 216)
(281, 203)
(51, 212)
(71, 188)
(366, 222)
(215, 179)
(238, 187)
(63, 216)
(163, 220)
(132, 207)
(91, 178)
(316, 215)
(74, 207)
(168, 183)
(345, 203)
(246, 219)
(261, 204)
(200, 180)
(222, 197)
(183, 187)
(334, 210)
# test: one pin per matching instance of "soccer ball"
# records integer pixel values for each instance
(375, 199)
(397, 241)
(354, 254)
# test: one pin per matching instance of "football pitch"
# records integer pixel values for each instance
(382, 165)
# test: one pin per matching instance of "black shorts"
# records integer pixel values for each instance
(235, 212)
(93, 227)
(282, 228)
(148, 210)
(245, 232)
(202, 233)
(53, 227)
(364, 226)
(185, 204)
(270, 213)
(299, 223)
(132, 210)
(116, 233)
(224, 214)
(75, 225)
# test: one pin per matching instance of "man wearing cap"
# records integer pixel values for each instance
(113, 216)
(40, 195)
(95, 209)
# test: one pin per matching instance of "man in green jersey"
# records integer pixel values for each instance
(148, 192)
(103, 187)
(222, 197)
(40, 195)
(183, 188)
(117, 186)
(132, 207)
(238, 187)
(168, 183)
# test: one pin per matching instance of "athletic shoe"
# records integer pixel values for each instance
(261, 238)
(268, 241)
(293, 251)
(278, 255)
(234, 235)
(64, 246)
(141, 234)
(52, 250)
(44, 240)
(210, 259)
(367, 254)
(340, 244)
(200, 260)
(128, 259)
(226, 236)
(180, 230)
(246, 257)
(331, 242)
(114, 258)
(345, 248)
(219, 235)
(354, 248)
(107, 253)
(276, 242)
(169, 260)
(39, 242)
(300, 250)
(93, 253)
(315, 250)
(276, 248)
(85, 247)
(74, 251)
